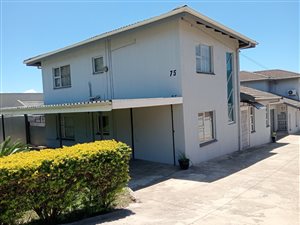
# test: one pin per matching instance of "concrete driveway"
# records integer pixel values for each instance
(257, 186)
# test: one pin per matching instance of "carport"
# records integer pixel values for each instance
(147, 124)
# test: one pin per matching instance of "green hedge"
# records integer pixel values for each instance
(55, 182)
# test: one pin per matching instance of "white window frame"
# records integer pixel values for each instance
(102, 70)
(202, 118)
(252, 119)
(59, 77)
(201, 57)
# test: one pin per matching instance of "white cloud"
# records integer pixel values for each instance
(30, 91)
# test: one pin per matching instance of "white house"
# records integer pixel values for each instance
(282, 83)
(165, 85)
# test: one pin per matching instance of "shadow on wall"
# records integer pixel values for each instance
(144, 173)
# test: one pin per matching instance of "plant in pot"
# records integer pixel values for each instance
(184, 162)
(274, 137)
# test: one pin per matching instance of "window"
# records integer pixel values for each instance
(204, 59)
(98, 65)
(252, 119)
(67, 127)
(230, 89)
(103, 125)
(267, 116)
(62, 77)
(206, 127)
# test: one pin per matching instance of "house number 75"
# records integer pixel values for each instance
(172, 73)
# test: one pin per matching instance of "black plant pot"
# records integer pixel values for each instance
(273, 139)
(184, 164)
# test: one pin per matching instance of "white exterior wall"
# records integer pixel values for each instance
(262, 134)
(203, 93)
(281, 87)
(293, 126)
(262, 85)
(141, 64)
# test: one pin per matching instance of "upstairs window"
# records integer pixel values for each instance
(206, 130)
(62, 77)
(230, 89)
(98, 65)
(204, 62)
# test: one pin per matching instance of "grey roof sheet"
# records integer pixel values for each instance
(248, 43)
(267, 75)
(257, 94)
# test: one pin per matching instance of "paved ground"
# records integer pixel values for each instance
(258, 186)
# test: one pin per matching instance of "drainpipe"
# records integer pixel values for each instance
(238, 96)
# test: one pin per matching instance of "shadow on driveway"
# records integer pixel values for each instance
(144, 173)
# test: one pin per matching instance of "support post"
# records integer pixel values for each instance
(173, 138)
(59, 130)
(27, 129)
(132, 133)
(3, 127)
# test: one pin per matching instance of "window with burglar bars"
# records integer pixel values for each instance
(204, 62)
(62, 77)
(206, 130)
(67, 127)
(230, 89)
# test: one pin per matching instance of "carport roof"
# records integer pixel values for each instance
(251, 94)
(92, 106)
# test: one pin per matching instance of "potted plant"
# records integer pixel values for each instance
(184, 162)
(274, 137)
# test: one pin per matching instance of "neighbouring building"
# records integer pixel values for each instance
(29, 129)
(165, 85)
(281, 83)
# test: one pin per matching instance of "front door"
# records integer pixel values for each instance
(245, 129)
(104, 126)
(281, 117)
(272, 119)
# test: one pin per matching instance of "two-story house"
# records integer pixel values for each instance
(165, 85)
(286, 84)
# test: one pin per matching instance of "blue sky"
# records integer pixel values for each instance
(29, 28)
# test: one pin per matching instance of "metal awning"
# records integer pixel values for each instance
(257, 105)
(93, 106)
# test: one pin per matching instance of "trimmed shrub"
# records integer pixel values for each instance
(54, 182)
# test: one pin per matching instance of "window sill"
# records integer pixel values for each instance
(62, 87)
(206, 73)
(208, 142)
(97, 73)
(231, 122)
(253, 131)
